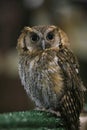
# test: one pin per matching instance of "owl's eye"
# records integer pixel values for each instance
(34, 37)
(50, 36)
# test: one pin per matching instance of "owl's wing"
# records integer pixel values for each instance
(71, 102)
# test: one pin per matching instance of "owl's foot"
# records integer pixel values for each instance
(56, 113)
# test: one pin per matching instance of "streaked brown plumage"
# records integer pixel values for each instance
(49, 72)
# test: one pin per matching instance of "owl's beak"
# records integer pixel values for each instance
(43, 44)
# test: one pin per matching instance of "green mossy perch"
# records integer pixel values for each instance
(30, 120)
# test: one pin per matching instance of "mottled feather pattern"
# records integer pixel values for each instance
(72, 101)
(42, 74)
(49, 72)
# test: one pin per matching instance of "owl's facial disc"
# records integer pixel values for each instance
(41, 39)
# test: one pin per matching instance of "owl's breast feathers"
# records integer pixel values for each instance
(42, 77)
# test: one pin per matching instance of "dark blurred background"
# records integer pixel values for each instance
(70, 15)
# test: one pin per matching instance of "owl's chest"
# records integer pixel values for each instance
(42, 80)
(41, 68)
(44, 72)
(41, 71)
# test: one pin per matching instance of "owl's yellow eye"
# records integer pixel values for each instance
(50, 36)
(34, 37)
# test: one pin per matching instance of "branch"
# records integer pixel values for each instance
(31, 120)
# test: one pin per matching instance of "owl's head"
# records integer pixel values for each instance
(42, 38)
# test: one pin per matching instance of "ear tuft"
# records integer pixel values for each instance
(21, 38)
(64, 38)
(27, 29)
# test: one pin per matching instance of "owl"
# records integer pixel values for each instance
(49, 72)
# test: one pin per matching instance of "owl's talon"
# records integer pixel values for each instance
(54, 112)
(49, 111)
